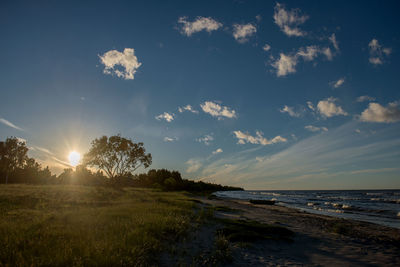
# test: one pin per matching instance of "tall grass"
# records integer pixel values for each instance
(58, 225)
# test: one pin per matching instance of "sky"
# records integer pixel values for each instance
(257, 94)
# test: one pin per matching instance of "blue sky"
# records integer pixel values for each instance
(259, 94)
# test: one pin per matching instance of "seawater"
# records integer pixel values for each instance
(375, 206)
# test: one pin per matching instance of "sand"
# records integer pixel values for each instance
(319, 240)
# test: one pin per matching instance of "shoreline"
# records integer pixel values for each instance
(319, 239)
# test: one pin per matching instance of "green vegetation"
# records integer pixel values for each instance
(54, 225)
(116, 156)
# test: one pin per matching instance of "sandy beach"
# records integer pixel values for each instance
(319, 240)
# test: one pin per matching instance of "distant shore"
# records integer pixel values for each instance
(319, 240)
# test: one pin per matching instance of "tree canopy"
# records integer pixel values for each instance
(13, 154)
(116, 155)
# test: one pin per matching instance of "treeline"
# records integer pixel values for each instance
(17, 167)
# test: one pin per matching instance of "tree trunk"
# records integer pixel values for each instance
(6, 177)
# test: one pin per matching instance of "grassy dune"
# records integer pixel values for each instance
(81, 226)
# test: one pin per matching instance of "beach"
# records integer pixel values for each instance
(318, 240)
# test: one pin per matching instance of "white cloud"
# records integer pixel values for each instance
(289, 21)
(328, 108)
(338, 83)
(216, 110)
(166, 116)
(207, 139)
(377, 52)
(219, 150)
(127, 60)
(244, 138)
(199, 24)
(377, 113)
(364, 98)
(309, 53)
(242, 32)
(290, 111)
(334, 42)
(312, 128)
(188, 108)
(266, 47)
(10, 124)
(310, 105)
(170, 139)
(194, 165)
(285, 64)
(327, 52)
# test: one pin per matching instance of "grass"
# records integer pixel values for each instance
(58, 225)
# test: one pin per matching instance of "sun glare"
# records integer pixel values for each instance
(74, 158)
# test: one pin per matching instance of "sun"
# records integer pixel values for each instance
(74, 158)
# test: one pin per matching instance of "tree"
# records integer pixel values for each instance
(13, 154)
(116, 155)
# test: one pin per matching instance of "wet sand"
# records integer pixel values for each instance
(319, 240)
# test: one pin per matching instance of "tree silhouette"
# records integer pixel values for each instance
(13, 154)
(116, 155)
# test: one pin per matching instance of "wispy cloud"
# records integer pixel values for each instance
(127, 60)
(170, 139)
(338, 83)
(199, 24)
(290, 111)
(286, 63)
(219, 150)
(377, 52)
(377, 113)
(244, 137)
(193, 165)
(188, 108)
(242, 32)
(309, 163)
(365, 98)
(312, 128)
(217, 110)
(166, 116)
(206, 139)
(266, 47)
(10, 124)
(289, 21)
(328, 108)
(42, 149)
(334, 42)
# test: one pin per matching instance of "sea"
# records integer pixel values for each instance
(375, 206)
